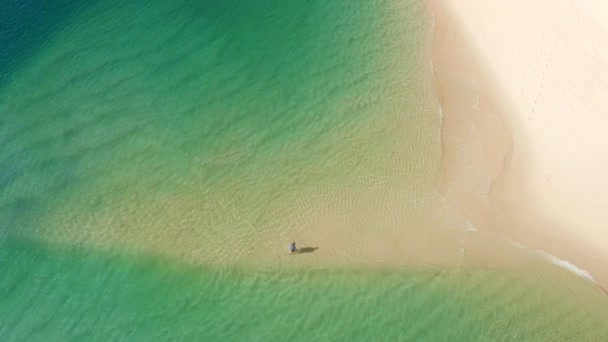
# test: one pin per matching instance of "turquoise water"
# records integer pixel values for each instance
(228, 123)
(158, 158)
(51, 294)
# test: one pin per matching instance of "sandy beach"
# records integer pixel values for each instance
(528, 80)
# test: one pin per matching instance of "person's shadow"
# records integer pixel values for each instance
(307, 249)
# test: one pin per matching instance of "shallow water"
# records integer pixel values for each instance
(158, 158)
(231, 122)
(58, 295)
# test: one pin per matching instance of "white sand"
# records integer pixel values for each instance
(539, 69)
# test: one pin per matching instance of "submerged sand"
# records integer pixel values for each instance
(523, 84)
(361, 192)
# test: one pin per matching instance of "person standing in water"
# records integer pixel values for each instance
(293, 248)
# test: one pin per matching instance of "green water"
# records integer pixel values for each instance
(158, 157)
(227, 117)
(73, 295)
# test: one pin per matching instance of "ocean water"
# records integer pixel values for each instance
(233, 121)
(58, 294)
(158, 158)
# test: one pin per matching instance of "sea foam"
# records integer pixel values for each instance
(565, 264)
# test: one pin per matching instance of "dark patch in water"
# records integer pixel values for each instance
(11, 169)
(15, 214)
(25, 25)
(63, 171)
(22, 204)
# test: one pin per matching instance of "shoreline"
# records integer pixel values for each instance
(500, 148)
